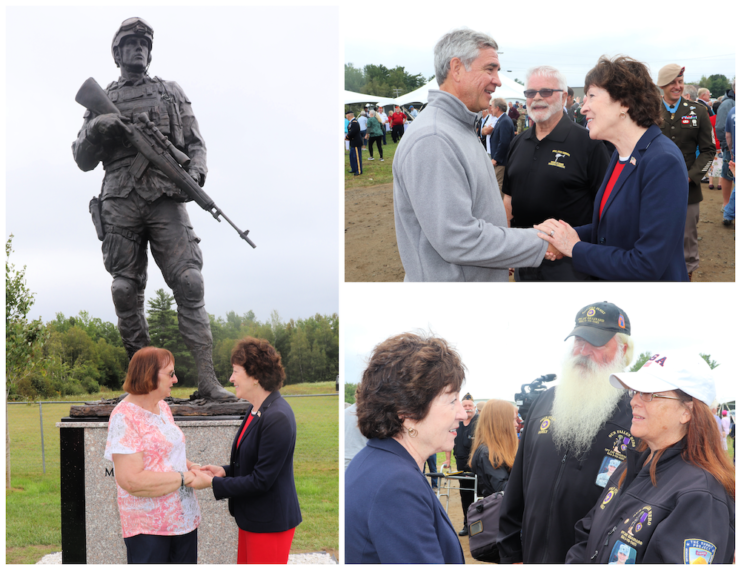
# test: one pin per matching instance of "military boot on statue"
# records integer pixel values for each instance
(208, 386)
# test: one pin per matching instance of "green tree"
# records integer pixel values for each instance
(712, 363)
(717, 84)
(24, 340)
(164, 333)
(354, 78)
(350, 392)
(642, 359)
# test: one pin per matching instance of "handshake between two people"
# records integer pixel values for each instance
(200, 476)
(561, 238)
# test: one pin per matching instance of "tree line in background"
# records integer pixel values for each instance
(717, 84)
(83, 354)
(381, 81)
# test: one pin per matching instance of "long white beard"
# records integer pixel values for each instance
(584, 401)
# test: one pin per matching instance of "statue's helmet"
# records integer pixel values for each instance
(133, 27)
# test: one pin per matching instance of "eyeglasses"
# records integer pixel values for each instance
(647, 396)
(544, 93)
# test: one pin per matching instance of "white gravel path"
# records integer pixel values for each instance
(310, 558)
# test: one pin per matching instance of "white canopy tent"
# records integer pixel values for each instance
(351, 97)
(725, 384)
(509, 91)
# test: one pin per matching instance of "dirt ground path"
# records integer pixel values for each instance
(371, 253)
(456, 517)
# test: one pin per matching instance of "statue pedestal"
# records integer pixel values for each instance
(91, 526)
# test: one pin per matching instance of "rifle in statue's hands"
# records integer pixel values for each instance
(153, 147)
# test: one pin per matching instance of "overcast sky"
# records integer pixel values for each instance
(568, 35)
(273, 167)
(511, 334)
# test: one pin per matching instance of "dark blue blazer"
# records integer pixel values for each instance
(391, 513)
(640, 236)
(259, 478)
(501, 137)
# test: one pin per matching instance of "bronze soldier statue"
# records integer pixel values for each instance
(139, 205)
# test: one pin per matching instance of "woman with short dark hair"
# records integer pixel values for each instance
(672, 500)
(408, 407)
(158, 507)
(259, 479)
(637, 229)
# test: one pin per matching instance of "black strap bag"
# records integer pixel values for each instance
(483, 527)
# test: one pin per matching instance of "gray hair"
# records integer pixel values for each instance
(702, 90)
(691, 90)
(547, 71)
(499, 102)
(463, 43)
(371, 113)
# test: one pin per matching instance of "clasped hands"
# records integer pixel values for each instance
(561, 238)
(202, 475)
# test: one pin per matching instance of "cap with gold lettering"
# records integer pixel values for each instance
(597, 323)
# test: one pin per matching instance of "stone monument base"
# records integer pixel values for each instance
(91, 526)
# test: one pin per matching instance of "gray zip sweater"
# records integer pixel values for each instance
(450, 220)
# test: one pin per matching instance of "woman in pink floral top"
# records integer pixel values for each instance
(156, 497)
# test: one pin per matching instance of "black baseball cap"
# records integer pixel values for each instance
(597, 323)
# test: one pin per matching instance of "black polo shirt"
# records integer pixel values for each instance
(557, 177)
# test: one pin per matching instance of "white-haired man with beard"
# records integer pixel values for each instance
(571, 434)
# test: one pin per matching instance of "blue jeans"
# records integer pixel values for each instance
(729, 213)
(725, 171)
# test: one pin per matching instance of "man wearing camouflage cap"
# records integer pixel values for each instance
(572, 433)
(687, 124)
(136, 208)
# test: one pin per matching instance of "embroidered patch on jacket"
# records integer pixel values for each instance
(545, 423)
(559, 155)
(608, 497)
(698, 551)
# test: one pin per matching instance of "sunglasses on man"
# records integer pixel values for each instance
(544, 93)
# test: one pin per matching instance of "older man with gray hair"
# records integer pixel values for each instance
(703, 96)
(501, 136)
(450, 220)
(553, 170)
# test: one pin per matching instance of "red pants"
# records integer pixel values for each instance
(264, 547)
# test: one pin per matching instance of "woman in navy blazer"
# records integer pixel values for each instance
(259, 478)
(637, 229)
(408, 406)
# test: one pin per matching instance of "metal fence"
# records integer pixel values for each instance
(41, 415)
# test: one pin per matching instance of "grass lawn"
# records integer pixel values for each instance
(374, 172)
(33, 504)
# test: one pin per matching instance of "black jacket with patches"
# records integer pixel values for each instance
(550, 490)
(687, 516)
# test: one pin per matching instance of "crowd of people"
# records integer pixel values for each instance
(609, 466)
(371, 127)
(612, 183)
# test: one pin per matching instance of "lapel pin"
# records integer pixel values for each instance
(633, 160)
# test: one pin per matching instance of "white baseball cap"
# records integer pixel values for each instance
(671, 371)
